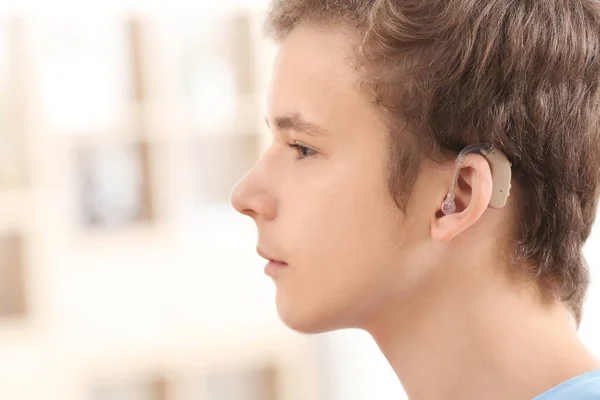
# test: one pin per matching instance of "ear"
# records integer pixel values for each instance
(472, 197)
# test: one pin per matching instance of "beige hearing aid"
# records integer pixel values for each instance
(501, 176)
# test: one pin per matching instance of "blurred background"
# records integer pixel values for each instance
(124, 272)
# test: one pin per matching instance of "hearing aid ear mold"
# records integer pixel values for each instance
(501, 176)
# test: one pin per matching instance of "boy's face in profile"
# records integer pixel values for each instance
(325, 209)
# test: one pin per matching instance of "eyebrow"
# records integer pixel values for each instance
(295, 122)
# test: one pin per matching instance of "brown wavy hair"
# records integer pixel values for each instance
(521, 75)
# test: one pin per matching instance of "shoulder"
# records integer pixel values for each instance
(583, 387)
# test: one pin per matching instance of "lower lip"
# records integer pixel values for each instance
(273, 267)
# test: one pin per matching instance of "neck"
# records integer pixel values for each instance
(468, 340)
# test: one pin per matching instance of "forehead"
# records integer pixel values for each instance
(312, 72)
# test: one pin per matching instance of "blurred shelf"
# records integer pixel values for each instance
(140, 389)
(15, 210)
(114, 185)
(281, 370)
(167, 122)
(13, 301)
(252, 383)
(134, 129)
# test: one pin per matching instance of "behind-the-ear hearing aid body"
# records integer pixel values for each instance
(501, 176)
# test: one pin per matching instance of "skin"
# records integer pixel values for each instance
(433, 290)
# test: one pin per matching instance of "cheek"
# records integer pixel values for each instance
(341, 212)
(344, 234)
(342, 272)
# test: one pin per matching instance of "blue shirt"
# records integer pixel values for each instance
(582, 387)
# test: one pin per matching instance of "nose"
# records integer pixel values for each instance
(252, 197)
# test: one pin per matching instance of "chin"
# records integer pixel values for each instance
(308, 319)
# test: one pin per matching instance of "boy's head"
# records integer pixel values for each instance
(370, 103)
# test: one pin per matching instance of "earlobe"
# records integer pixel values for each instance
(476, 175)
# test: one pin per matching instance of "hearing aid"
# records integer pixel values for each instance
(501, 176)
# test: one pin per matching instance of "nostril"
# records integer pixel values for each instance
(240, 201)
(236, 201)
(249, 213)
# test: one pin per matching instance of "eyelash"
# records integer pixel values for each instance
(303, 151)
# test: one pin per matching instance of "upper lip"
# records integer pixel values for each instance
(267, 256)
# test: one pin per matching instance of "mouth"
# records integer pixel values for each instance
(268, 257)
(274, 265)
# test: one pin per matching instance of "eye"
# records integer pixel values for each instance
(303, 151)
